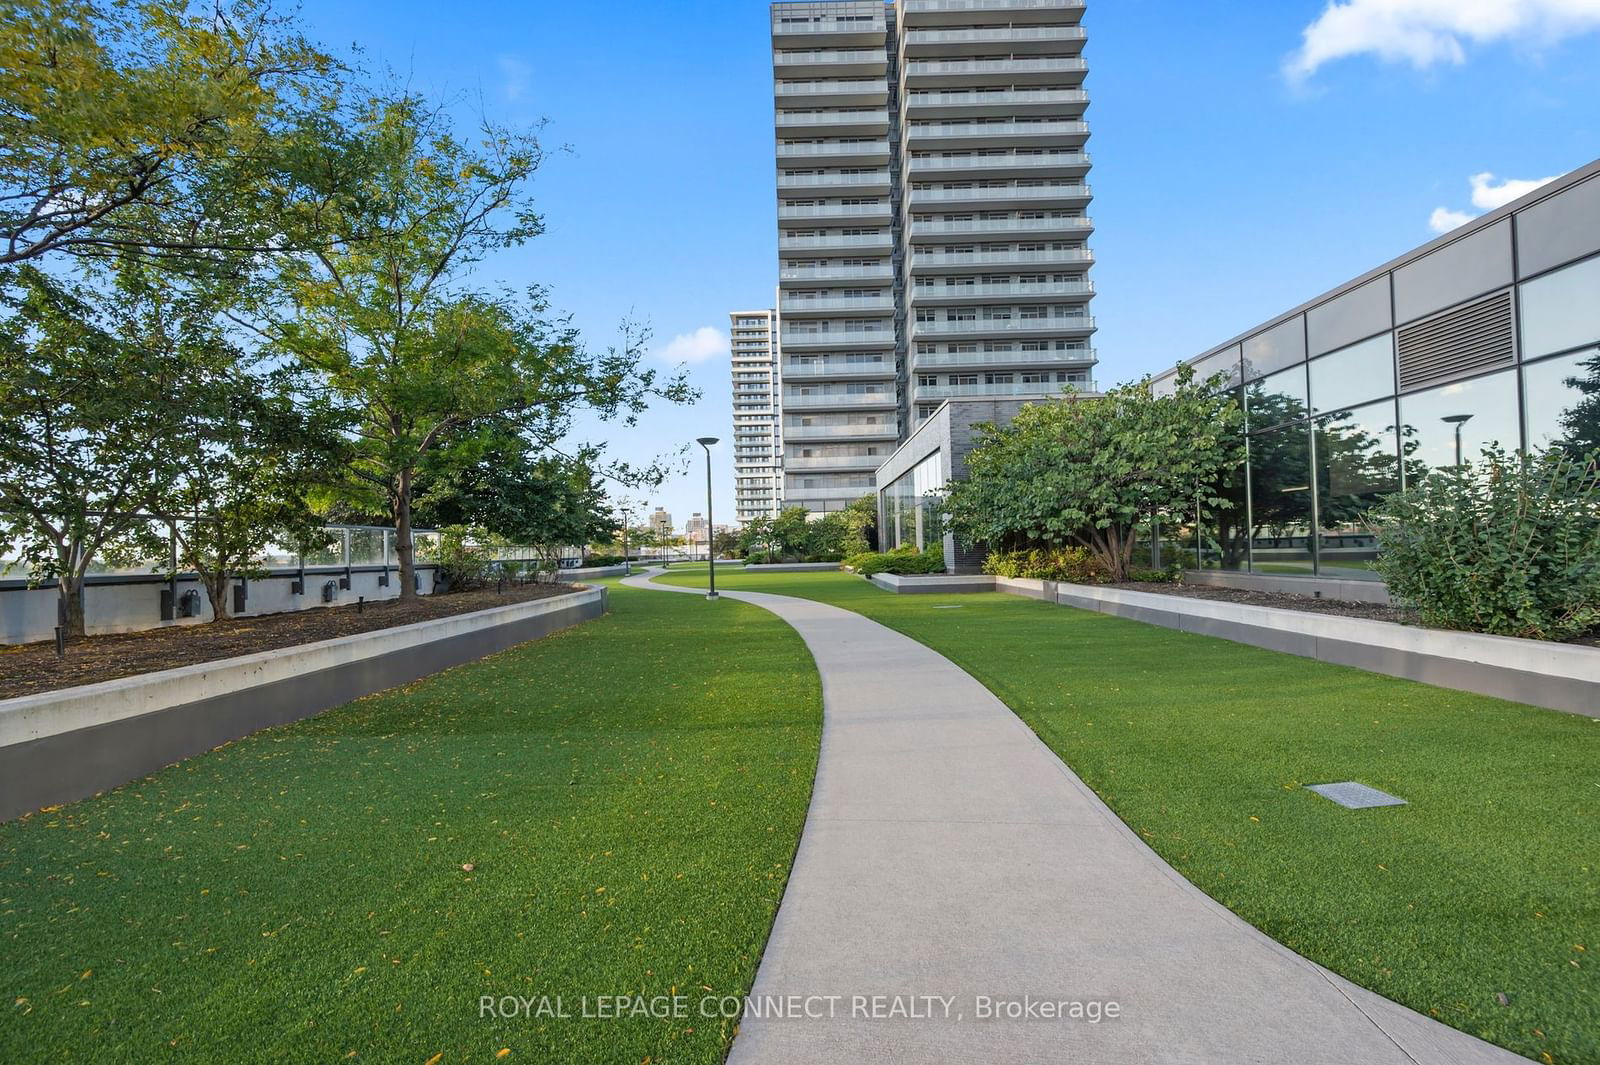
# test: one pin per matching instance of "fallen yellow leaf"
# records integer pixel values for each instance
(435, 1059)
(503, 1052)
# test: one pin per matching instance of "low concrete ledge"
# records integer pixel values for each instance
(931, 584)
(1327, 587)
(790, 567)
(66, 745)
(584, 573)
(1552, 675)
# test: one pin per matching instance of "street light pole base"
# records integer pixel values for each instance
(713, 595)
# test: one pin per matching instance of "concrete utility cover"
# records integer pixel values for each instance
(1356, 796)
(952, 606)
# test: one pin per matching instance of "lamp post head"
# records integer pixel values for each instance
(1456, 419)
(706, 441)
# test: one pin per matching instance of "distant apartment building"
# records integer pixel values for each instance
(694, 530)
(931, 221)
(757, 429)
(661, 522)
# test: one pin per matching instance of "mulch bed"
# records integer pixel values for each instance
(29, 668)
(1283, 600)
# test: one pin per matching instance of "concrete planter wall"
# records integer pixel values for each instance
(1557, 676)
(790, 567)
(66, 745)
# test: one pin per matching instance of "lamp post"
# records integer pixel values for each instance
(627, 566)
(1457, 420)
(711, 562)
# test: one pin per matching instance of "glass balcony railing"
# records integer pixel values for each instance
(868, 147)
(1005, 97)
(1018, 388)
(854, 240)
(1001, 258)
(979, 226)
(994, 35)
(793, 304)
(930, 7)
(829, 432)
(1064, 190)
(954, 130)
(977, 291)
(833, 87)
(836, 210)
(814, 181)
(1067, 323)
(1005, 161)
(1003, 357)
(832, 118)
(1019, 65)
(840, 399)
(837, 337)
(837, 273)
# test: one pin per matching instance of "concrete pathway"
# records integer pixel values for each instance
(949, 855)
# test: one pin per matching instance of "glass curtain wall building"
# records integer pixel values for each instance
(1489, 335)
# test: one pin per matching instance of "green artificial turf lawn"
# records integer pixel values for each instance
(1488, 882)
(630, 792)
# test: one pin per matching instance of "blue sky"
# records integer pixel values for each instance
(1241, 167)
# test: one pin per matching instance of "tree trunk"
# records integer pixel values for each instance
(404, 549)
(216, 583)
(70, 586)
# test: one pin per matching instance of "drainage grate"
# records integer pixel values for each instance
(1356, 796)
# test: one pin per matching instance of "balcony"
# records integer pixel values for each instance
(830, 370)
(1044, 164)
(1042, 389)
(945, 260)
(837, 273)
(839, 400)
(858, 153)
(881, 431)
(1018, 40)
(1064, 192)
(839, 338)
(838, 494)
(837, 242)
(930, 360)
(978, 227)
(829, 62)
(937, 103)
(857, 123)
(928, 73)
(931, 12)
(856, 92)
(1070, 323)
(827, 305)
(836, 211)
(927, 294)
(878, 182)
(922, 136)
(826, 30)
(833, 462)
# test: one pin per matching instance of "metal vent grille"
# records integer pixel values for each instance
(1460, 343)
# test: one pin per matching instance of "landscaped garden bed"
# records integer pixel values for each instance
(1282, 600)
(30, 668)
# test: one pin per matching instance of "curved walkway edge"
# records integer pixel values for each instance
(949, 858)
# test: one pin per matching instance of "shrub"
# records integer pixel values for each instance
(904, 561)
(464, 560)
(604, 560)
(1508, 545)
(1155, 576)
(1073, 564)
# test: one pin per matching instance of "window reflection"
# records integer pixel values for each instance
(1358, 463)
(1277, 399)
(1225, 534)
(1563, 403)
(1451, 424)
(1561, 311)
(1280, 501)
(1357, 374)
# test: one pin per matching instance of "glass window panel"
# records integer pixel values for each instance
(1282, 345)
(1280, 501)
(1563, 402)
(1223, 362)
(1358, 463)
(1225, 534)
(1353, 375)
(1561, 310)
(1469, 413)
(1277, 399)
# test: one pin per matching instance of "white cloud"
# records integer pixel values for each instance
(516, 77)
(702, 344)
(1427, 32)
(1487, 194)
(1443, 220)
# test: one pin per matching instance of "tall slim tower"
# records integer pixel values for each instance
(931, 219)
(757, 433)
